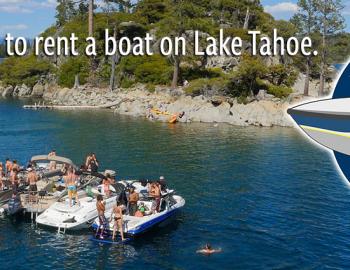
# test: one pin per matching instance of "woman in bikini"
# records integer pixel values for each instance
(118, 220)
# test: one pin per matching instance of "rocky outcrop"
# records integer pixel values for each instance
(265, 111)
(38, 90)
(8, 91)
(21, 91)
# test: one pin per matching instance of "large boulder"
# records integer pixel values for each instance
(38, 90)
(8, 91)
(22, 91)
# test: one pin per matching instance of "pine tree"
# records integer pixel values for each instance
(306, 22)
(64, 11)
(331, 22)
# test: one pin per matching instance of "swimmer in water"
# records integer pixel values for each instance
(208, 250)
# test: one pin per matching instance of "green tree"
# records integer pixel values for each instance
(64, 11)
(306, 22)
(331, 22)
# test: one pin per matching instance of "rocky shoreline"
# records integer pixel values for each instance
(262, 110)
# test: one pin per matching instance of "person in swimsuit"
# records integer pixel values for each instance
(101, 208)
(70, 181)
(15, 165)
(52, 165)
(118, 220)
(8, 166)
(208, 250)
(32, 178)
(14, 180)
(156, 194)
(133, 199)
(106, 182)
(1, 176)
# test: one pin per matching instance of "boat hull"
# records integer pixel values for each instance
(325, 122)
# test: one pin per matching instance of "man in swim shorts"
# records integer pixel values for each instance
(32, 178)
(101, 208)
(133, 199)
(70, 181)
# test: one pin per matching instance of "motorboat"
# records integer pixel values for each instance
(62, 216)
(326, 121)
(170, 204)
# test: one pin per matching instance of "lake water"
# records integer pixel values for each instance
(267, 196)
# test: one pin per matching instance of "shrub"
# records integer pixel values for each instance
(150, 87)
(72, 67)
(279, 91)
(27, 70)
(193, 73)
(282, 75)
(245, 80)
(146, 69)
(206, 86)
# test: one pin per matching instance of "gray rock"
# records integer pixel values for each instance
(8, 91)
(21, 91)
(38, 90)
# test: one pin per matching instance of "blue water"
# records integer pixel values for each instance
(267, 196)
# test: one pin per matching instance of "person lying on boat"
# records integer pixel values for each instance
(155, 192)
(117, 213)
(208, 250)
(32, 178)
(101, 208)
(71, 185)
(8, 166)
(52, 164)
(133, 199)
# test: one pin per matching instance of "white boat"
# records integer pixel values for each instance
(62, 216)
(326, 121)
(170, 204)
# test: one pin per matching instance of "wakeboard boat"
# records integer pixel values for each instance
(326, 121)
(170, 204)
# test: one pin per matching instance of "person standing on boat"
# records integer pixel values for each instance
(101, 208)
(32, 178)
(52, 165)
(133, 199)
(15, 165)
(156, 194)
(14, 180)
(70, 180)
(1, 177)
(8, 166)
(106, 182)
(118, 220)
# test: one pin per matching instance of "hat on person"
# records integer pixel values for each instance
(29, 169)
(161, 178)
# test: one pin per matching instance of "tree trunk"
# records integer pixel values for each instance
(76, 81)
(307, 78)
(176, 72)
(323, 58)
(112, 78)
(246, 21)
(91, 18)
